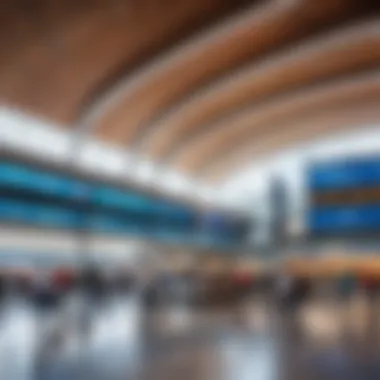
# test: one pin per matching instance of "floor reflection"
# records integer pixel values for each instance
(116, 338)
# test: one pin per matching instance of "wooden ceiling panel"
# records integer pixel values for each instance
(342, 52)
(57, 56)
(292, 135)
(234, 131)
(132, 108)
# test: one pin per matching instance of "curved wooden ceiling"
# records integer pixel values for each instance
(197, 85)
(261, 120)
(302, 130)
(59, 56)
(145, 96)
(351, 50)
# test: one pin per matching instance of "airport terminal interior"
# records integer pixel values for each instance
(190, 190)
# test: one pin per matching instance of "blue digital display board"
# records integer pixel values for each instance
(37, 214)
(32, 196)
(345, 174)
(345, 218)
(341, 197)
(18, 177)
(110, 197)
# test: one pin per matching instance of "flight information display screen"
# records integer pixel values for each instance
(345, 174)
(344, 197)
(33, 196)
(39, 197)
(17, 177)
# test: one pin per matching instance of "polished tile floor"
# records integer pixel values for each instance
(117, 339)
